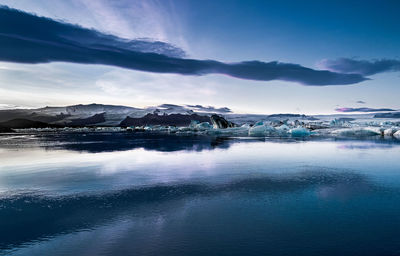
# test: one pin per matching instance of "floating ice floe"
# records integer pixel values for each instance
(261, 129)
(390, 131)
(339, 127)
(299, 132)
(283, 129)
(358, 131)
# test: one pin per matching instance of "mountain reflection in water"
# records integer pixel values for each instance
(141, 194)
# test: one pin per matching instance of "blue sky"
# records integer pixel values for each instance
(314, 34)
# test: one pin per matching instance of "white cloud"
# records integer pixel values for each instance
(150, 88)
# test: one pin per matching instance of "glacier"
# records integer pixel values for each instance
(333, 128)
(222, 122)
(275, 128)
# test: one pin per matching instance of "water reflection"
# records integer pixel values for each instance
(40, 216)
(136, 194)
(106, 142)
(109, 142)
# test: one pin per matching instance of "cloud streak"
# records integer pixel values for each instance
(363, 109)
(32, 39)
(361, 67)
(210, 109)
(194, 108)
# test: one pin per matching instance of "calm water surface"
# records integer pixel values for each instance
(132, 194)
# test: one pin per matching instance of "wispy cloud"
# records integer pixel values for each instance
(210, 109)
(363, 109)
(195, 108)
(136, 19)
(362, 67)
(4, 106)
(33, 39)
(360, 102)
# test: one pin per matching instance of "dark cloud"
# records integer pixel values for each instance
(361, 67)
(26, 38)
(209, 109)
(363, 109)
(360, 102)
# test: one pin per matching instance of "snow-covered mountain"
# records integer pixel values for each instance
(113, 115)
(100, 114)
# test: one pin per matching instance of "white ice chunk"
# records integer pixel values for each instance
(283, 129)
(397, 134)
(359, 131)
(389, 131)
(257, 130)
(233, 131)
(261, 129)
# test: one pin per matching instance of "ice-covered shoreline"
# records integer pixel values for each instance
(286, 128)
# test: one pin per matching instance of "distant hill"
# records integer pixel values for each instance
(155, 119)
(100, 114)
(5, 130)
(345, 119)
(95, 119)
(388, 115)
(20, 123)
(298, 116)
(114, 115)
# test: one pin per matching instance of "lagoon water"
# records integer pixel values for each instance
(140, 194)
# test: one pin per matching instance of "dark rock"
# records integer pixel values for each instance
(220, 123)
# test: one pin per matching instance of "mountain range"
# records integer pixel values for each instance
(113, 115)
(106, 115)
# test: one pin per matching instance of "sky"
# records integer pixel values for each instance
(311, 57)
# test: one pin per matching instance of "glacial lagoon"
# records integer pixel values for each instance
(160, 194)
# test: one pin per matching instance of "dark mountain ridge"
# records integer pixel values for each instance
(172, 119)
(95, 119)
(388, 115)
(20, 123)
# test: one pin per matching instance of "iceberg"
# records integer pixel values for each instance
(390, 131)
(234, 131)
(204, 126)
(193, 124)
(261, 129)
(299, 132)
(215, 125)
(172, 129)
(283, 129)
(338, 122)
(358, 131)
